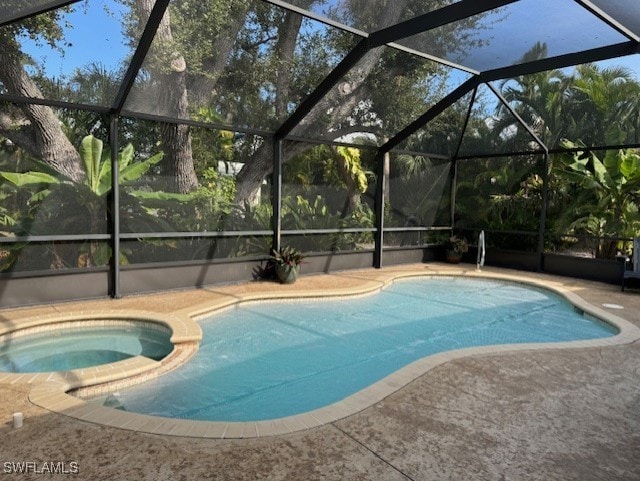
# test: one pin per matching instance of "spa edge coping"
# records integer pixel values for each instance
(50, 389)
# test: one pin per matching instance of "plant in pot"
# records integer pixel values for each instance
(456, 247)
(287, 264)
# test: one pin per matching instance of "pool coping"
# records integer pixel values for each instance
(50, 389)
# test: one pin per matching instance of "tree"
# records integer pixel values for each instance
(171, 74)
(604, 106)
(540, 101)
(34, 128)
(251, 63)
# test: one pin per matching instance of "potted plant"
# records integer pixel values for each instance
(456, 247)
(287, 264)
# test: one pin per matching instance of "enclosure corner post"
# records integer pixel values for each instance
(115, 209)
(453, 185)
(276, 194)
(381, 159)
(543, 209)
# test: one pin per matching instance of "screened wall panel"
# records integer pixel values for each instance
(56, 257)
(337, 242)
(249, 69)
(328, 187)
(418, 191)
(197, 250)
(503, 196)
(383, 92)
(47, 194)
(195, 189)
(418, 197)
(44, 195)
(168, 197)
(598, 221)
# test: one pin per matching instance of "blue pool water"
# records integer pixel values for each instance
(270, 360)
(76, 348)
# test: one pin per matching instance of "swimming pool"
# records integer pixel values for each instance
(65, 348)
(274, 359)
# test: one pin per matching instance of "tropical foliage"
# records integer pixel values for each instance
(53, 204)
(591, 193)
(224, 64)
(605, 195)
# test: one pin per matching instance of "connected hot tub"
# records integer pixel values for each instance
(77, 345)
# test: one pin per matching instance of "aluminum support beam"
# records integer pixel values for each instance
(276, 195)
(430, 114)
(150, 28)
(466, 122)
(542, 227)
(115, 209)
(454, 162)
(23, 14)
(434, 19)
(379, 205)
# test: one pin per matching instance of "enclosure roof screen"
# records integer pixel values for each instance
(322, 70)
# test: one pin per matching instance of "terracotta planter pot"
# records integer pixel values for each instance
(454, 257)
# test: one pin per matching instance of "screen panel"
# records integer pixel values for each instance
(370, 15)
(512, 34)
(626, 12)
(75, 54)
(248, 70)
(328, 187)
(386, 90)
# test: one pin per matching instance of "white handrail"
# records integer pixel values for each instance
(481, 251)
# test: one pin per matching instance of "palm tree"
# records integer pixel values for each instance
(604, 105)
(539, 99)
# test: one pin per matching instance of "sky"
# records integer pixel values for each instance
(94, 35)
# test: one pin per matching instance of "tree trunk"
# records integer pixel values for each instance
(249, 180)
(176, 138)
(288, 35)
(253, 173)
(340, 101)
(202, 87)
(178, 160)
(35, 128)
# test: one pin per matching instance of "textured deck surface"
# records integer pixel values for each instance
(560, 414)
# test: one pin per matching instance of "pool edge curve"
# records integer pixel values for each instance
(51, 393)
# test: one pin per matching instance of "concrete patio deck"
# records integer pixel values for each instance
(570, 414)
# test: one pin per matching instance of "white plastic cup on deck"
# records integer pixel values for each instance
(17, 420)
